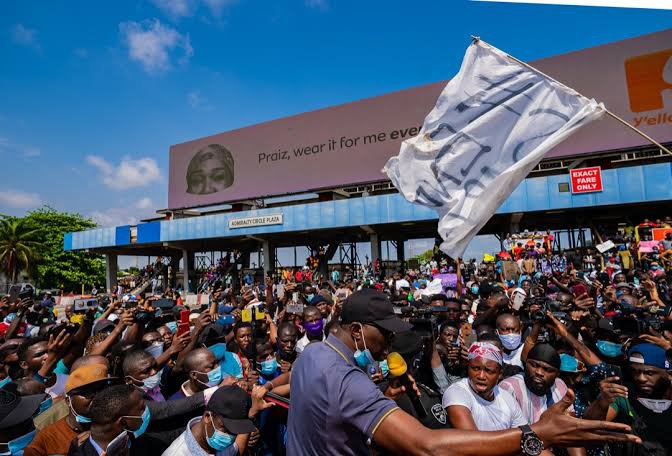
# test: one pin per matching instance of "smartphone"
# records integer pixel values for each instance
(226, 320)
(182, 328)
(295, 308)
(518, 300)
(615, 371)
(184, 316)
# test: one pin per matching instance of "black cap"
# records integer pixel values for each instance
(371, 306)
(231, 403)
(545, 353)
(16, 409)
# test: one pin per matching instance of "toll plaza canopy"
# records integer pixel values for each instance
(603, 173)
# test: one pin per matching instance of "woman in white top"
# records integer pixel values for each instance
(476, 403)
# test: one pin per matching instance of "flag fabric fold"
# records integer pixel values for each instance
(491, 126)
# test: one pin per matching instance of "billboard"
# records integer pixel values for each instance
(349, 144)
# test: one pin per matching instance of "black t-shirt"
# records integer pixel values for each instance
(653, 428)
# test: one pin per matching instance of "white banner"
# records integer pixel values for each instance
(491, 125)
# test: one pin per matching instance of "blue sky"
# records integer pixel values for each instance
(92, 94)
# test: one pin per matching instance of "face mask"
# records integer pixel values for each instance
(45, 405)
(214, 377)
(172, 326)
(156, 349)
(510, 341)
(269, 366)
(309, 297)
(151, 382)
(609, 349)
(314, 329)
(219, 440)
(17, 445)
(619, 293)
(145, 422)
(474, 290)
(5, 381)
(384, 368)
(655, 405)
(363, 358)
(79, 418)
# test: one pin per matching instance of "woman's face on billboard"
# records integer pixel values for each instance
(210, 171)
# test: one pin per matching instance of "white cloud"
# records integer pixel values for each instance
(19, 199)
(144, 203)
(216, 7)
(25, 36)
(31, 152)
(176, 8)
(113, 216)
(198, 101)
(128, 173)
(153, 45)
(317, 4)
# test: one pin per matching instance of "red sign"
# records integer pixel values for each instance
(586, 180)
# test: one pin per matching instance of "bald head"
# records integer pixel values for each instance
(197, 359)
(507, 323)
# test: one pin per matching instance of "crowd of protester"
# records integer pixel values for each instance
(491, 350)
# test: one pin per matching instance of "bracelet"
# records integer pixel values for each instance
(270, 383)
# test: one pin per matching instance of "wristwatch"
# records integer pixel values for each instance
(529, 442)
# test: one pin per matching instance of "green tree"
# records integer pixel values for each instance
(20, 244)
(58, 268)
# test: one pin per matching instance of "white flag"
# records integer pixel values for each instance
(491, 125)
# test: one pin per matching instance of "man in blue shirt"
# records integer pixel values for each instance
(337, 410)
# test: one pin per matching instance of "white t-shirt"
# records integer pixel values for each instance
(513, 358)
(502, 413)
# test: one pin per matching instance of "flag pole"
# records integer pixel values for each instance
(606, 111)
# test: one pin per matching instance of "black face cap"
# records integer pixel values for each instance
(371, 306)
(232, 404)
(16, 409)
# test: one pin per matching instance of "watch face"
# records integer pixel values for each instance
(532, 446)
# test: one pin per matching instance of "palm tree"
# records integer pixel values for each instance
(19, 241)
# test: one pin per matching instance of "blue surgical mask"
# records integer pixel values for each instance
(363, 358)
(219, 440)
(474, 290)
(654, 268)
(79, 418)
(17, 445)
(156, 349)
(214, 376)
(310, 296)
(619, 293)
(6, 381)
(152, 382)
(172, 326)
(45, 405)
(609, 349)
(384, 368)
(269, 367)
(510, 341)
(145, 422)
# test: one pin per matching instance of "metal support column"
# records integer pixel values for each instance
(111, 269)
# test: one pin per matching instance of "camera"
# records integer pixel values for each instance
(544, 306)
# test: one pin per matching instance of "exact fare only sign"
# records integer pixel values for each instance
(586, 180)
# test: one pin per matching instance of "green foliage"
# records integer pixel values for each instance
(58, 268)
(20, 246)
(424, 257)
